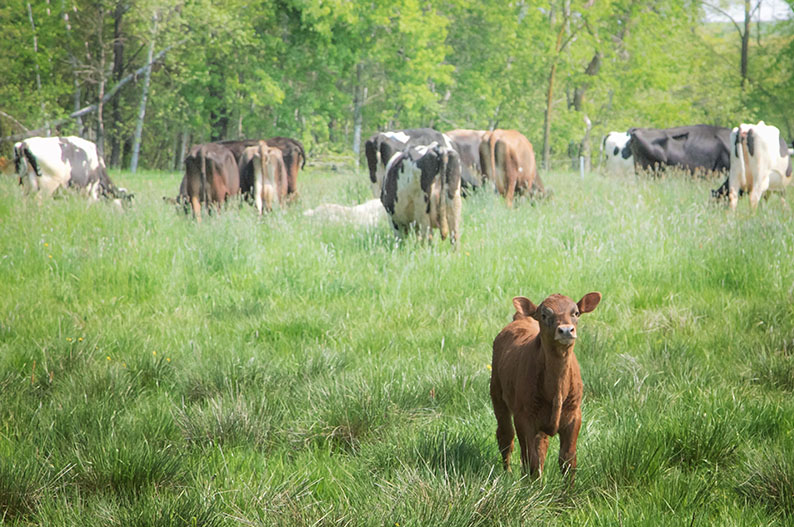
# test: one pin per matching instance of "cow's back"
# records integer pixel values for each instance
(515, 352)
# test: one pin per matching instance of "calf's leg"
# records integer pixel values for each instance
(567, 458)
(505, 433)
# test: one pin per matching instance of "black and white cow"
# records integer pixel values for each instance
(617, 154)
(45, 164)
(421, 190)
(760, 161)
(381, 147)
(696, 149)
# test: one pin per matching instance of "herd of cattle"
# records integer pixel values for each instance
(755, 156)
(419, 176)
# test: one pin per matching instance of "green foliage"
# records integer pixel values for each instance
(300, 68)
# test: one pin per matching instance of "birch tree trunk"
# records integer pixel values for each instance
(118, 70)
(100, 124)
(359, 94)
(77, 95)
(136, 141)
(36, 57)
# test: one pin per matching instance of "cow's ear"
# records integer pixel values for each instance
(589, 302)
(524, 306)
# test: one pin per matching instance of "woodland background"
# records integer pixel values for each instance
(331, 72)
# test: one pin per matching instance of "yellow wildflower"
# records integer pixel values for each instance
(488, 367)
(108, 357)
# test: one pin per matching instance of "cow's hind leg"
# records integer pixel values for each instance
(196, 205)
(758, 191)
(505, 433)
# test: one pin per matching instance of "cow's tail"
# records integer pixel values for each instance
(303, 153)
(492, 148)
(443, 221)
(739, 151)
(31, 159)
(204, 190)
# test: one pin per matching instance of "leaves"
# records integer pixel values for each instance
(289, 67)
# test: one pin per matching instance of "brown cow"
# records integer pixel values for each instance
(508, 159)
(269, 174)
(535, 381)
(211, 175)
(291, 151)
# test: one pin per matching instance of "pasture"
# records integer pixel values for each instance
(281, 371)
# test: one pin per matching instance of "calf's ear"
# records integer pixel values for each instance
(524, 306)
(589, 302)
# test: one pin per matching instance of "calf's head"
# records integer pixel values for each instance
(558, 316)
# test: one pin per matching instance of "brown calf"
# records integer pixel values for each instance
(535, 381)
(508, 159)
(211, 176)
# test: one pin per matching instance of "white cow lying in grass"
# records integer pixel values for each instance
(759, 162)
(367, 214)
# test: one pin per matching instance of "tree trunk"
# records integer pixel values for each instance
(100, 125)
(77, 96)
(547, 118)
(745, 42)
(359, 94)
(181, 149)
(584, 147)
(118, 70)
(136, 141)
(36, 61)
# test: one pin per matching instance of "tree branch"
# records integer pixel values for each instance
(92, 108)
(721, 11)
(11, 118)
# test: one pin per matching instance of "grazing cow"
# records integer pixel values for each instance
(266, 164)
(292, 153)
(368, 214)
(467, 143)
(211, 176)
(422, 188)
(508, 159)
(535, 381)
(617, 154)
(381, 147)
(760, 161)
(44, 164)
(696, 149)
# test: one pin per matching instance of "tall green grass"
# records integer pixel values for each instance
(283, 371)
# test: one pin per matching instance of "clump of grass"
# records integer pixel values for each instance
(231, 419)
(25, 480)
(127, 467)
(767, 477)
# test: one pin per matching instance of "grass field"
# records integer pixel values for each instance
(280, 371)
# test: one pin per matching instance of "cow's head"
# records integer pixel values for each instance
(558, 317)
